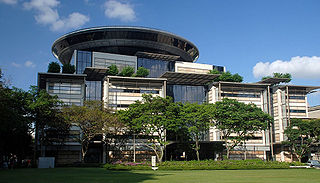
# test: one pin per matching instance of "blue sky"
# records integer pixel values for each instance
(251, 37)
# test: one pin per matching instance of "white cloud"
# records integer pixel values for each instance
(116, 9)
(299, 67)
(9, 1)
(29, 64)
(47, 14)
(15, 64)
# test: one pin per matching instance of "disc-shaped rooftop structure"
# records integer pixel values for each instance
(125, 41)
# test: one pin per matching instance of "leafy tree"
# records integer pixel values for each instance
(15, 126)
(238, 121)
(152, 117)
(44, 112)
(279, 75)
(54, 67)
(92, 120)
(197, 118)
(302, 134)
(227, 76)
(127, 71)
(68, 69)
(142, 72)
(112, 70)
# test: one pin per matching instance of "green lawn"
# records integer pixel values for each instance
(99, 175)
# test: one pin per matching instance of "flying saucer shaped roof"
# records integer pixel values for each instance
(125, 41)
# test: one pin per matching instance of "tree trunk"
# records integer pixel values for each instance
(245, 150)
(197, 148)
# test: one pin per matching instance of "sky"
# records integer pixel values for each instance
(251, 37)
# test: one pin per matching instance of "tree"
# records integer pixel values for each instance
(45, 113)
(54, 67)
(239, 121)
(112, 70)
(226, 76)
(152, 117)
(197, 118)
(15, 125)
(92, 120)
(127, 71)
(279, 75)
(302, 134)
(68, 69)
(142, 72)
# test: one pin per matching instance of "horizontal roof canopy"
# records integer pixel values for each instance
(94, 73)
(307, 89)
(234, 86)
(157, 56)
(189, 78)
(274, 80)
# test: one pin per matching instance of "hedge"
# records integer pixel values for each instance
(203, 165)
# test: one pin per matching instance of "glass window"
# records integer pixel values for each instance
(184, 93)
(83, 60)
(156, 67)
(93, 90)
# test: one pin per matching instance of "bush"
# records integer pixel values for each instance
(68, 69)
(54, 67)
(112, 70)
(203, 165)
(142, 72)
(127, 71)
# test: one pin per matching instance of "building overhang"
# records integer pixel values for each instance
(301, 88)
(179, 78)
(59, 77)
(234, 86)
(94, 73)
(274, 80)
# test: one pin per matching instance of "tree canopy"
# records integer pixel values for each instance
(127, 71)
(197, 119)
(301, 135)
(68, 69)
(227, 76)
(54, 67)
(112, 70)
(152, 117)
(279, 75)
(238, 121)
(142, 72)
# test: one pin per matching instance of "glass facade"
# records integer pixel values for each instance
(83, 60)
(184, 93)
(69, 93)
(156, 67)
(93, 90)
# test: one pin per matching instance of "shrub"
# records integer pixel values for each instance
(54, 67)
(127, 71)
(68, 69)
(112, 70)
(203, 165)
(142, 72)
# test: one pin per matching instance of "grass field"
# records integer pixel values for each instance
(99, 175)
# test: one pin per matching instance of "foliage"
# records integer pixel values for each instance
(204, 165)
(45, 113)
(152, 117)
(15, 124)
(54, 67)
(112, 70)
(197, 119)
(92, 120)
(233, 117)
(227, 76)
(68, 69)
(127, 71)
(279, 75)
(302, 134)
(142, 72)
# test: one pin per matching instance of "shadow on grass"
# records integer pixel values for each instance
(75, 175)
